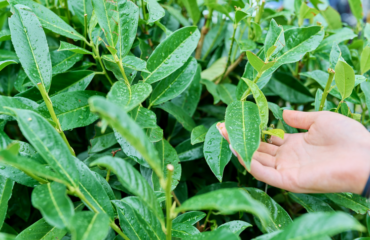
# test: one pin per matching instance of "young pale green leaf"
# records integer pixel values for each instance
(63, 61)
(94, 191)
(216, 151)
(89, 225)
(227, 201)
(64, 46)
(332, 18)
(181, 230)
(72, 109)
(344, 78)
(49, 20)
(279, 217)
(356, 9)
(212, 89)
(5, 35)
(156, 12)
(236, 227)
(106, 12)
(365, 87)
(29, 41)
(261, 102)
(365, 60)
(48, 143)
(131, 180)
(175, 83)
(335, 55)
(198, 134)
(354, 202)
(6, 187)
(227, 92)
(255, 61)
(6, 63)
(52, 201)
(190, 218)
(181, 116)
(275, 132)
(242, 123)
(192, 9)
(137, 220)
(310, 203)
(215, 70)
(126, 99)
(168, 155)
(127, 26)
(306, 12)
(171, 53)
(275, 40)
(316, 225)
(188, 152)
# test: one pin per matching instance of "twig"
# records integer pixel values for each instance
(203, 33)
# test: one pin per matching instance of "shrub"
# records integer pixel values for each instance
(109, 112)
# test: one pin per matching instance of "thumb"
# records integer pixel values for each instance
(297, 119)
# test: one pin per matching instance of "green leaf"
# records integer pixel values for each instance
(5, 63)
(335, 55)
(310, 203)
(190, 218)
(365, 87)
(236, 227)
(41, 230)
(198, 134)
(106, 12)
(339, 36)
(72, 109)
(365, 60)
(226, 201)
(144, 117)
(89, 225)
(344, 78)
(188, 152)
(261, 102)
(275, 132)
(274, 37)
(227, 92)
(279, 217)
(5, 236)
(215, 70)
(156, 12)
(29, 41)
(82, 9)
(137, 220)
(181, 116)
(127, 26)
(216, 151)
(14, 102)
(177, 15)
(193, 10)
(354, 202)
(242, 123)
(306, 12)
(62, 61)
(155, 134)
(6, 187)
(315, 225)
(5, 35)
(332, 18)
(50, 20)
(278, 114)
(128, 61)
(132, 180)
(356, 9)
(367, 31)
(128, 99)
(216, 234)
(64, 46)
(114, 67)
(257, 63)
(212, 89)
(52, 201)
(94, 191)
(48, 143)
(175, 83)
(181, 230)
(171, 53)
(102, 142)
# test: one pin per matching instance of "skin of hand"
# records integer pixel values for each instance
(332, 156)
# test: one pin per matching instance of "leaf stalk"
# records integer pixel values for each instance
(170, 170)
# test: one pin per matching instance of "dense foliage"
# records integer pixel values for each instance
(108, 114)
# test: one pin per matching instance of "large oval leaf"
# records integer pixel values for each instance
(105, 12)
(354, 202)
(236, 226)
(189, 217)
(30, 43)
(171, 54)
(242, 123)
(89, 225)
(344, 78)
(216, 151)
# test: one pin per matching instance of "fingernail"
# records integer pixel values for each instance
(220, 130)
(232, 150)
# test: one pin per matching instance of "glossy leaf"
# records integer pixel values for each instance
(274, 37)
(188, 152)
(214, 71)
(4, 35)
(226, 91)
(104, 12)
(181, 116)
(171, 54)
(21, 103)
(174, 84)
(190, 218)
(257, 63)
(6, 63)
(29, 41)
(129, 99)
(216, 151)
(137, 220)
(216, 234)
(89, 225)
(356, 9)
(181, 230)
(198, 134)
(261, 102)
(156, 12)
(113, 67)
(242, 123)
(354, 202)
(6, 187)
(193, 10)
(335, 55)
(340, 36)
(131, 179)
(144, 117)
(236, 227)
(310, 203)
(62, 61)
(344, 78)
(41, 230)
(56, 208)
(275, 132)
(64, 46)
(365, 62)
(48, 143)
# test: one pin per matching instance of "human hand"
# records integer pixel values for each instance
(333, 156)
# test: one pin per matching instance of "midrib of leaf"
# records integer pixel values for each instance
(123, 214)
(56, 205)
(243, 122)
(55, 26)
(348, 199)
(107, 18)
(201, 135)
(64, 60)
(73, 110)
(92, 198)
(86, 234)
(33, 54)
(183, 232)
(166, 58)
(169, 86)
(219, 157)
(277, 39)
